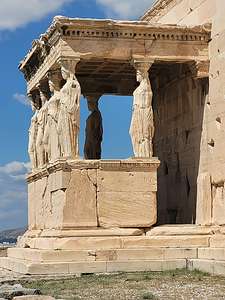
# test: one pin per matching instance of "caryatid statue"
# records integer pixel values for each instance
(51, 135)
(41, 124)
(94, 129)
(33, 133)
(142, 123)
(69, 111)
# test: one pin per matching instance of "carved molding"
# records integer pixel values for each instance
(148, 164)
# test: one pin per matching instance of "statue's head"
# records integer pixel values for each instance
(92, 102)
(43, 93)
(65, 73)
(52, 86)
(33, 104)
(141, 75)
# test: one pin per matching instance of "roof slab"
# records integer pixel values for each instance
(106, 48)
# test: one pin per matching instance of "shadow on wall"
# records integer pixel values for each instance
(179, 103)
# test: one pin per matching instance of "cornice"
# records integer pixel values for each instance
(132, 164)
(159, 9)
(68, 29)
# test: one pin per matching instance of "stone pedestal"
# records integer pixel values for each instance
(93, 194)
(78, 208)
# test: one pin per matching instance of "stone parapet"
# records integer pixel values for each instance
(93, 194)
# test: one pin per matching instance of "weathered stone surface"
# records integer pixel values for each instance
(80, 206)
(218, 209)
(37, 255)
(126, 209)
(201, 265)
(79, 243)
(145, 254)
(126, 181)
(166, 241)
(92, 232)
(59, 180)
(204, 200)
(217, 241)
(147, 265)
(212, 253)
(165, 230)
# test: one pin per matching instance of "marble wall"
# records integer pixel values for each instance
(179, 103)
(211, 156)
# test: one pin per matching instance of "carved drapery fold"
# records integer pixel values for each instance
(69, 110)
(142, 124)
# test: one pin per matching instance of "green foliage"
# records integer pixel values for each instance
(148, 296)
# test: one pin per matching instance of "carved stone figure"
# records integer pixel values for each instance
(69, 112)
(41, 123)
(142, 125)
(51, 135)
(94, 130)
(32, 135)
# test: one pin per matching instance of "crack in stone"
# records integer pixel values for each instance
(96, 195)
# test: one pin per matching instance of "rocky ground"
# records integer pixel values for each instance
(131, 286)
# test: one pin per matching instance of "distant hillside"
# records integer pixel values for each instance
(10, 235)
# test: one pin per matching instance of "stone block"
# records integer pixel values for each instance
(120, 181)
(166, 241)
(204, 200)
(126, 209)
(52, 268)
(92, 232)
(61, 268)
(146, 265)
(14, 265)
(80, 206)
(79, 243)
(217, 241)
(165, 230)
(218, 205)
(212, 253)
(37, 255)
(201, 265)
(59, 180)
(146, 254)
(87, 267)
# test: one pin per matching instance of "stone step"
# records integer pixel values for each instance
(212, 253)
(166, 230)
(95, 232)
(35, 255)
(214, 267)
(72, 268)
(107, 243)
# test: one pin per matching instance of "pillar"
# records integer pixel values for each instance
(142, 123)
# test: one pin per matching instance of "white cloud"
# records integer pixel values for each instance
(13, 194)
(17, 13)
(125, 9)
(21, 98)
(14, 168)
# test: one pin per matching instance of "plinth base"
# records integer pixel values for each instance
(132, 250)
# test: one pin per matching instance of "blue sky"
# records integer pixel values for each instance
(21, 22)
